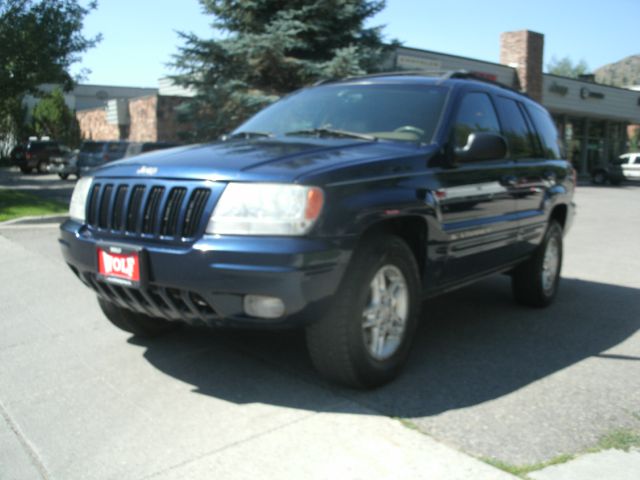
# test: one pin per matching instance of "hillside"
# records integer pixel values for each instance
(621, 74)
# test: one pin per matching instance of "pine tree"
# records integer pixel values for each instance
(267, 48)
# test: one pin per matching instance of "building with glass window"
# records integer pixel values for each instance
(592, 118)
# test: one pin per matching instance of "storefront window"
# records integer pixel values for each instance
(574, 130)
(613, 137)
(595, 153)
(575, 127)
(596, 128)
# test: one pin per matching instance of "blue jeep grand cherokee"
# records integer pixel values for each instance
(339, 209)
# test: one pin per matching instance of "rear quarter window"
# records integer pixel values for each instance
(547, 132)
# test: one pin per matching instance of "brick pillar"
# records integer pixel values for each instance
(523, 50)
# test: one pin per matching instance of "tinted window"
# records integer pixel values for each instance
(475, 114)
(116, 147)
(37, 146)
(515, 128)
(547, 132)
(92, 147)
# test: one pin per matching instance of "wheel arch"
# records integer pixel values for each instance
(413, 229)
(559, 214)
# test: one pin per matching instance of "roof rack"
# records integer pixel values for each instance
(441, 74)
(464, 74)
(418, 73)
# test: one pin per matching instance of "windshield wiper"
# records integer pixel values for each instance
(247, 135)
(330, 132)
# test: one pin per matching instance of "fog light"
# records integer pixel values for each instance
(263, 307)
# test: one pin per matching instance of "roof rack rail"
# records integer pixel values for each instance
(417, 73)
(464, 74)
(441, 74)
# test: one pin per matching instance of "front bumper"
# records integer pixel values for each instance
(205, 282)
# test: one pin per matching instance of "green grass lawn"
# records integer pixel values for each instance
(15, 204)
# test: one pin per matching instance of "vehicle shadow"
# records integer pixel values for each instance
(474, 345)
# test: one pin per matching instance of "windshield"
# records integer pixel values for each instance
(394, 112)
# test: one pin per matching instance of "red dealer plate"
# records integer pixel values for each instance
(119, 265)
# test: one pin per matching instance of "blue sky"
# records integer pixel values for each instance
(139, 36)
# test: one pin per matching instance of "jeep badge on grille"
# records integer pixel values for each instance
(144, 170)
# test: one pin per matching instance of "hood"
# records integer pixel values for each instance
(277, 160)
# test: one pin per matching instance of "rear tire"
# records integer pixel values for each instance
(365, 338)
(25, 170)
(535, 282)
(136, 323)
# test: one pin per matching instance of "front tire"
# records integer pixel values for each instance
(63, 176)
(138, 324)
(365, 338)
(535, 282)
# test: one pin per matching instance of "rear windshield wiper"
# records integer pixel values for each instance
(247, 135)
(330, 132)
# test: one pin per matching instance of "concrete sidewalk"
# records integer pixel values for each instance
(78, 401)
(606, 465)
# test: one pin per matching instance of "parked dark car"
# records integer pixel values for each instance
(337, 209)
(610, 173)
(36, 155)
(624, 168)
(64, 165)
(137, 148)
(94, 154)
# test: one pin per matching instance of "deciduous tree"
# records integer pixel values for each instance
(39, 41)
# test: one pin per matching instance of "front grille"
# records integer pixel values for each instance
(171, 211)
(155, 301)
(164, 211)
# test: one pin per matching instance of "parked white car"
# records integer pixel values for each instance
(630, 164)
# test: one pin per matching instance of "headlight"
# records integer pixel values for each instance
(77, 206)
(266, 209)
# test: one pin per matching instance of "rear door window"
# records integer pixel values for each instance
(515, 129)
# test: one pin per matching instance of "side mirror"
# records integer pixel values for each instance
(482, 146)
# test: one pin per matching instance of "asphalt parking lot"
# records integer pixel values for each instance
(48, 186)
(487, 377)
